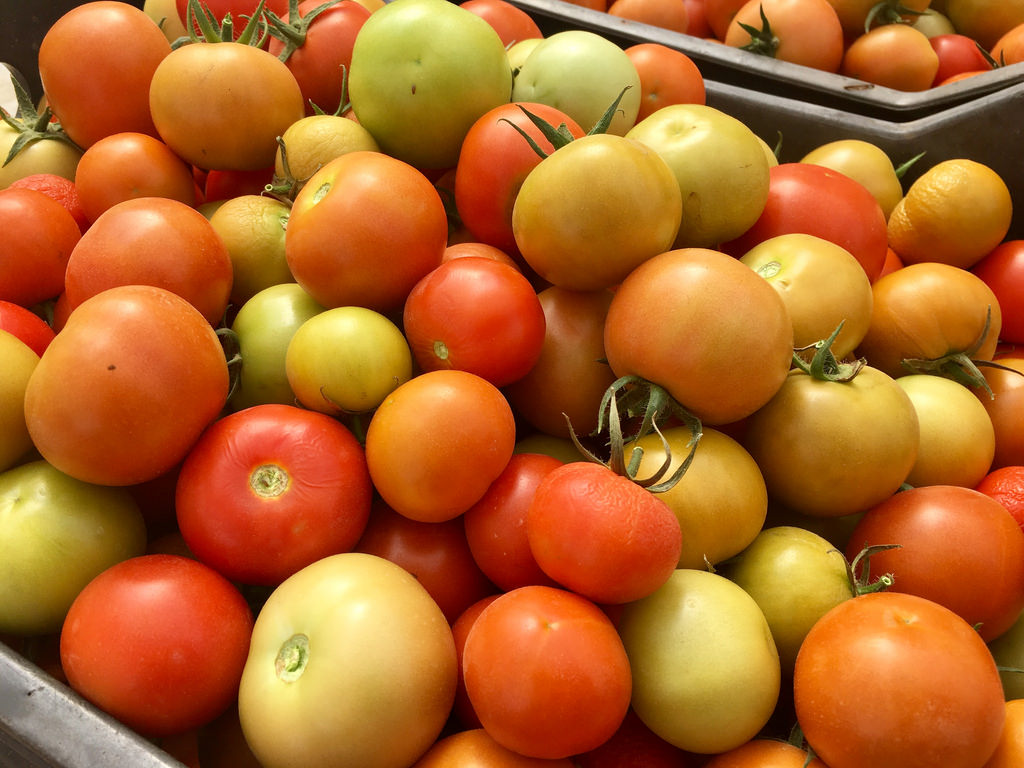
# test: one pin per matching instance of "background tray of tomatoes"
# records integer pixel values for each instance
(44, 724)
(768, 77)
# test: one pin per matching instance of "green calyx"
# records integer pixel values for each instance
(30, 124)
(293, 32)
(888, 12)
(210, 30)
(818, 361)
(763, 41)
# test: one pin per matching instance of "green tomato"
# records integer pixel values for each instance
(581, 73)
(351, 663)
(42, 156)
(347, 360)
(706, 673)
(17, 361)
(795, 576)
(422, 72)
(59, 533)
(264, 327)
(721, 167)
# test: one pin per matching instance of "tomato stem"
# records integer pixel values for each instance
(763, 41)
(823, 364)
(292, 659)
(959, 366)
(30, 124)
(862, 584)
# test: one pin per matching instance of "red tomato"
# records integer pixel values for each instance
(496, 525)
(437, 442)
(546, 672)
(475, 315)
(317, 48)
(871, 667)
(1006, 485)
(39, 236)
(957, 547)
(463, 708)
(719, 14)
(493, 164)
(698, 22)
(96, 63)
(957, 54)
(634, 745)
(255, 503)
(153, 241)
(240, 10)
(137, 636)
(26, 325)
(60, 189)
(223, 184)
(359, 211)
(471, 248)
(1002, 270)
(511, 22)
(815, 200)
(667, 76)
(127, 165)
(126, 387)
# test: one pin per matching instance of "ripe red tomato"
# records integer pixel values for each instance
(25, 324)
(902, 655)
(240, 10)
(39, 236)
(634, 745)
(256, 504)
(546, 672)
(126, 387)
(815, 200)
(136, 638)
(437, 554)
(463, 708)
(1002, 270)
(475, 315)
(602, 535)
(93, 91)
(957, 54)
(61, 189)
(667, 76)
(511, 22)
(153, 241)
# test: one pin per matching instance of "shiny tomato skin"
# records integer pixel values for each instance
(133, 360)
(26, 325)
(546, 672)
(1002, 270)
(94, 93)
(809, 32)
(957, 547)
(897, 56)
(288, 487)
(137, 636)
(476, 747)
(476, 315)
(1004, 407)
(667, 76)
(512, 23)
(957, 54)
(902, 654)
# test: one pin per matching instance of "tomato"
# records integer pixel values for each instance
(239, 10)
(351, 662)
(50, 155)
(985, 20)
(64, 191)
(39, 236)
(26, 325)
(865, 162)
(666, 14)
(806, 437)
(822, 285)
(92, 92)
(278, 505)
(719, 14)
(346, 360)
(720, 167)
(902, 655)
(495, 526)
(264, 327)
(957, 440)
(925, 312)
(581, 73)
(720, 501)
(957, 54)
(667, 76)
(137, 633)
(1005, 410)
(1009, 49)
(127, 165)
(418, 99)
(595, 209)
(706, 673)
(134, 361)
(437, 554)
(317, 49)
(1008, 652)
(476, 747)
(47, 514)
(855, 14)
(546, 672)
(153, 241)
(358, 211)
(634, 745)
(601, 534)
(437, 442)
(683, 318)
(896, 56)
(312, 142)
(466, 248)
(805, 32)
(765, 753)
(475, 315)
(569, 379)
(239, 99)
(512, 23)
(493, 162)
(957, 547)
(1002, 270)
(165, 14)
(463, 709)
(815, 200)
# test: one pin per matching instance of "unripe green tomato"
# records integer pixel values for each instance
(43, 156)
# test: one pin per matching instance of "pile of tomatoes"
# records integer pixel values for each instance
(392, 385)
